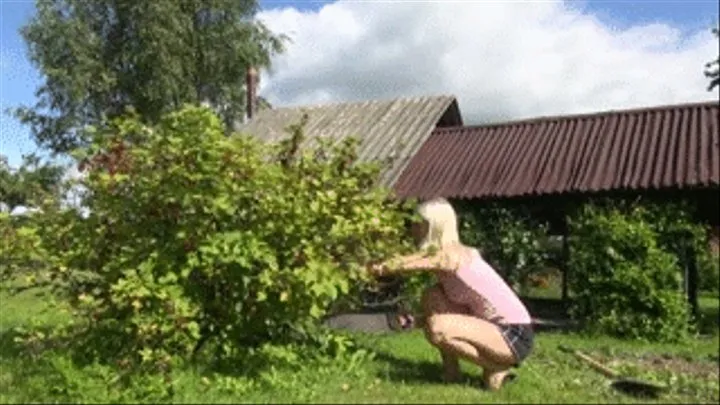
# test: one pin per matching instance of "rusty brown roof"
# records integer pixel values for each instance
(662, 147)
(386, 128)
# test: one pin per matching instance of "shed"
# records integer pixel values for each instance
(662, 151)
(394, 128)
(674, 147)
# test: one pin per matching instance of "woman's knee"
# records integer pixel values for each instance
(437, 331)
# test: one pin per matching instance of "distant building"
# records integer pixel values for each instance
(387, 128)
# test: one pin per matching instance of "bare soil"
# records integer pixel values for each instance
(697, 368)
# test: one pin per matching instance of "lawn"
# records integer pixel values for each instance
(404, 370)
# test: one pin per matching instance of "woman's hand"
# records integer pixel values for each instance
(377, 269)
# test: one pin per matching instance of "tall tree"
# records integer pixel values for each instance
(712, 71)
(101, 57)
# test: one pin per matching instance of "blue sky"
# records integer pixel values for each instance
(18, 79)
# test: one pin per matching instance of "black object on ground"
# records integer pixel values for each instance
(630, 386)
(544, 324)
(372, 322)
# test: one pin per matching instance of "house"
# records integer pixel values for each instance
(663, 148)
(660, 150)
(394, 128)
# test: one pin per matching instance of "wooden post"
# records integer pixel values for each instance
(691, 280)
(565, 261)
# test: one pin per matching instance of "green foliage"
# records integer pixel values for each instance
(508, 236)
(709, 272)
(102, 57)
(27, 185)
(689, 240)
(676, 229)
(21, 252)
(624, 283)
(413, 288)
(193, 236)
(679, 233)
(712, 69)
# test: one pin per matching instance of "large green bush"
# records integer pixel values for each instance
(32, 185)
(624, 283)
(21, 250)
(709, 272)
(680, 233)
(193, 236)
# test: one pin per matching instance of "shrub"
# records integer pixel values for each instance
(193, 236)
(679, 232)
(36, 186)
(414, 287)
(624, 283)
(682, 235)
(20, 250)
(709, 272)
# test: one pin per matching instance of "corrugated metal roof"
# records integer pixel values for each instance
(384, 127)
(662, 147)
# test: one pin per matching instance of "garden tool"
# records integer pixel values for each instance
(629, 386)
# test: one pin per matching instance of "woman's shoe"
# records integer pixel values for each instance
(496, 380)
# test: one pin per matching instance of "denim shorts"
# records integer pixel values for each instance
(520, 338)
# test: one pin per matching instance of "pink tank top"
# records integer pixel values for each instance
(480, 288)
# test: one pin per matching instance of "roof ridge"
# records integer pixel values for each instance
(370, 101)
(597, 114)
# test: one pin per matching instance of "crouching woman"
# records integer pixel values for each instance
(471, 313)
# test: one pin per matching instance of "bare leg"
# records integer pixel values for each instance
(435, 302)
(475, 340)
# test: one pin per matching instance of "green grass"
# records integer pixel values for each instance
(709, 304)
(405, 369)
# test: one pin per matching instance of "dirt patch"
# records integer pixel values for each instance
(704, 369)
(698, 368)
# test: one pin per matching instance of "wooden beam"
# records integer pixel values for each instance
(691, 281)
(565, 259)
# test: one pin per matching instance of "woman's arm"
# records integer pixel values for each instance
(444, 261)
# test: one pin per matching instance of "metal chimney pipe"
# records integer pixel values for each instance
(251, 79)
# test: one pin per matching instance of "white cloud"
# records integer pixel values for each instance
(502, 60)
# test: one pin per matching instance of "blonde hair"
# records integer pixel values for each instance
(442, 223)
